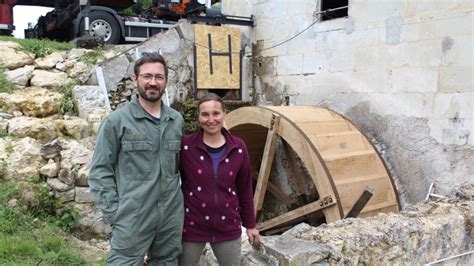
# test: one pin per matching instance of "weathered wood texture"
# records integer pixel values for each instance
(338, 157)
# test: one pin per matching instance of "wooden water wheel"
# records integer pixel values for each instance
(349, 177)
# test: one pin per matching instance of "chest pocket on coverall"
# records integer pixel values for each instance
(138, 159)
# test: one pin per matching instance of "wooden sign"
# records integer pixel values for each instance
(217, 57)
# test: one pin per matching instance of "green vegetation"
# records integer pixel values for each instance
(93, 58)
(68, 106)
(188, 109)
(5, 84)
(38, 47)
(31, 233)
(145, 4)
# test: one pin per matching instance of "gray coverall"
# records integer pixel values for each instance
(135, 179)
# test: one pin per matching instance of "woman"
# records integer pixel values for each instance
(217, 188)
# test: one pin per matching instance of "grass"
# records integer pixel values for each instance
(29, 238)
(5, 84)
(39, 47)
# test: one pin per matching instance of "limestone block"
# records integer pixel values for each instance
(80, 69)
(13, 59)
(20, 76)
(65, 196)
(83, 195)
(50, 150)
(414, 79)
(67, 176)
(82, 177)
(78, 52)
(290, 65)
(50, 169)
(115, 70)
(264, 34)
(23, 160)
(456, 49)
(75, 152)
(10, 44)
(407, 104)
(50, 60)
(49, 79)
(89, 98)
(43, 130)
(293, 251)
(77, 128)
(455, 78)
(416, 54)
(33, 101)
(410, 32)
(61, 66)
(440, 28)
(57, 185)
(91, 219)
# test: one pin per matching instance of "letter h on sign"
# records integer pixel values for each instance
(219, 53)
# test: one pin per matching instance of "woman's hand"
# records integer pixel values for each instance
(254, 236)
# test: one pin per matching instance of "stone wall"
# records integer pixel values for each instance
(402, 71)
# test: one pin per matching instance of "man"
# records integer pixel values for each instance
(135, 174)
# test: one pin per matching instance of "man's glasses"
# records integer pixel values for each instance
(149, 77)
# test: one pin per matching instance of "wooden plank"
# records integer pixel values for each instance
(340, 142)
(267, 160)
(336, 156)
(297, 213)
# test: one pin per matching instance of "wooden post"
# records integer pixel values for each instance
(267, 160)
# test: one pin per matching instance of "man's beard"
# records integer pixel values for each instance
(151, 98)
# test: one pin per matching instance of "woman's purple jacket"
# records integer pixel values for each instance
(216, 206)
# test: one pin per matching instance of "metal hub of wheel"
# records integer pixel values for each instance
(101, 28)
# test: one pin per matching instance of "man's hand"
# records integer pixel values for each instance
(254, 236)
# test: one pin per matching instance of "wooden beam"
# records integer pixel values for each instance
(267, 160)
(360, 203)
(297, 213)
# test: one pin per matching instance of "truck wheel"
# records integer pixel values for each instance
(105, 26)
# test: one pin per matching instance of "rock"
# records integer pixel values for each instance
(34, 101)
(51, 150)
(65, 196)
(23, 160)
(42, 129)
(20, 76)
(56, 185)
(80, 70)
(67, 176)
(83, 195)
(10, 44)
(78, 52)
(91, 221)
(13, 59)
(115, 70)
(49, 79)
(74, 152)
(89, 98)
(50, 61)
(77, 128)
(50, 170)
(82, 177)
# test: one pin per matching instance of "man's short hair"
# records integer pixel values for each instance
(150, 58)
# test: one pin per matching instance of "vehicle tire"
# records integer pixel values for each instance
(105, 26)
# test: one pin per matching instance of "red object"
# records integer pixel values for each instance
(6, 11)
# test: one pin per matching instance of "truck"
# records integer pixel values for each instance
(114, 21)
